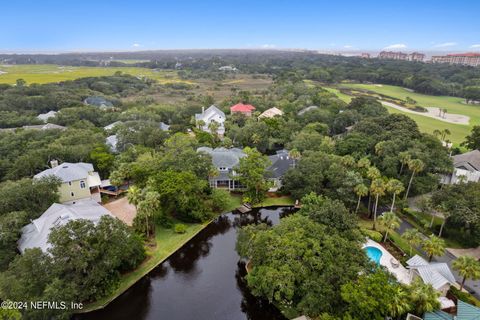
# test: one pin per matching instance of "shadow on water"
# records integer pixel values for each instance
(202, 280)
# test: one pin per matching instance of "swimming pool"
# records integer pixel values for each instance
(373, 254)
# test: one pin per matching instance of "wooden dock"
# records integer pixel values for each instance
(244, 208)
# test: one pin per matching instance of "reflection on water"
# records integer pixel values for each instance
(202, 280)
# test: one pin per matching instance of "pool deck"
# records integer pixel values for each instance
(400, 272)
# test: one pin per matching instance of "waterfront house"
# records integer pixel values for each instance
(281, 162)
(240, 108)
(35, 234)
(270, 113)
(466, 168)
(211, 114)
(225, 161)
(78, 181)
(437, 274)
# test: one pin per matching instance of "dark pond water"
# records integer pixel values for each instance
(203, 280)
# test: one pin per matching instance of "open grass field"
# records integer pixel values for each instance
(46, 73)
(426, 124)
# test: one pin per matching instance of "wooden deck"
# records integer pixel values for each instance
(244, 208)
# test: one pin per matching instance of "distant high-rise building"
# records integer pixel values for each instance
(468, 59)
(414, 56)
(393, 55)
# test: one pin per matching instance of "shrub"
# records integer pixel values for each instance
(180, 228)
(372, 234)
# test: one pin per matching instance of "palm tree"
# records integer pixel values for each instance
(134, 195)
(404, 158)
(361, 190)
(395, 187)
(295, 155)
(433, 246)
(363, 163)
(148, 206)
(468, 267)
(380, 148)
(415, 165)
(424, 297)
(437, 133)
(390, 221)
(445, 133)
(377, 188)
(400, 302)
(445, 214)
(347, 160)
(413, 237)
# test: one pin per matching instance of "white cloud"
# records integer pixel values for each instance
(396, 46)
(347, 46)
(475, 46)
(268, 46)
(445, 45)
(136, 45)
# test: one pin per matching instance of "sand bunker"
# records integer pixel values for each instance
(434, 113)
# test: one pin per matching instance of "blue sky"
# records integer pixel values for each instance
(330, 25)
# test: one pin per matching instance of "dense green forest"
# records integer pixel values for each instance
(351, 159)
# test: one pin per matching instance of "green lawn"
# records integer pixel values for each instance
(452, 104)
(426, 124)
(236, 201)
(167, 242)
(54, 73)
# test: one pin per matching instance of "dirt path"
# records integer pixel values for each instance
(433, 112)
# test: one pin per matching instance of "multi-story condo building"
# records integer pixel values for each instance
(414, 56)
(469, 59)
(393, 55)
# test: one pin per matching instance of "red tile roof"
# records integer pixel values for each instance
(240, 107)
(469, 54)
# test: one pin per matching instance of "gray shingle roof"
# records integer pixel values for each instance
(36, 233)
(281, 162)
(467, 160)
(301, 112)
(68, 171)
(112, 141)
(223, 157)
(98, 101)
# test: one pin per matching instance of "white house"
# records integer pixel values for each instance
(208, 116)
(45, 116)
(35, 234)
(437, 274)
(466, 168)
(224, 160)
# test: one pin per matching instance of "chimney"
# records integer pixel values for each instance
(54, 163)
(203, 110)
